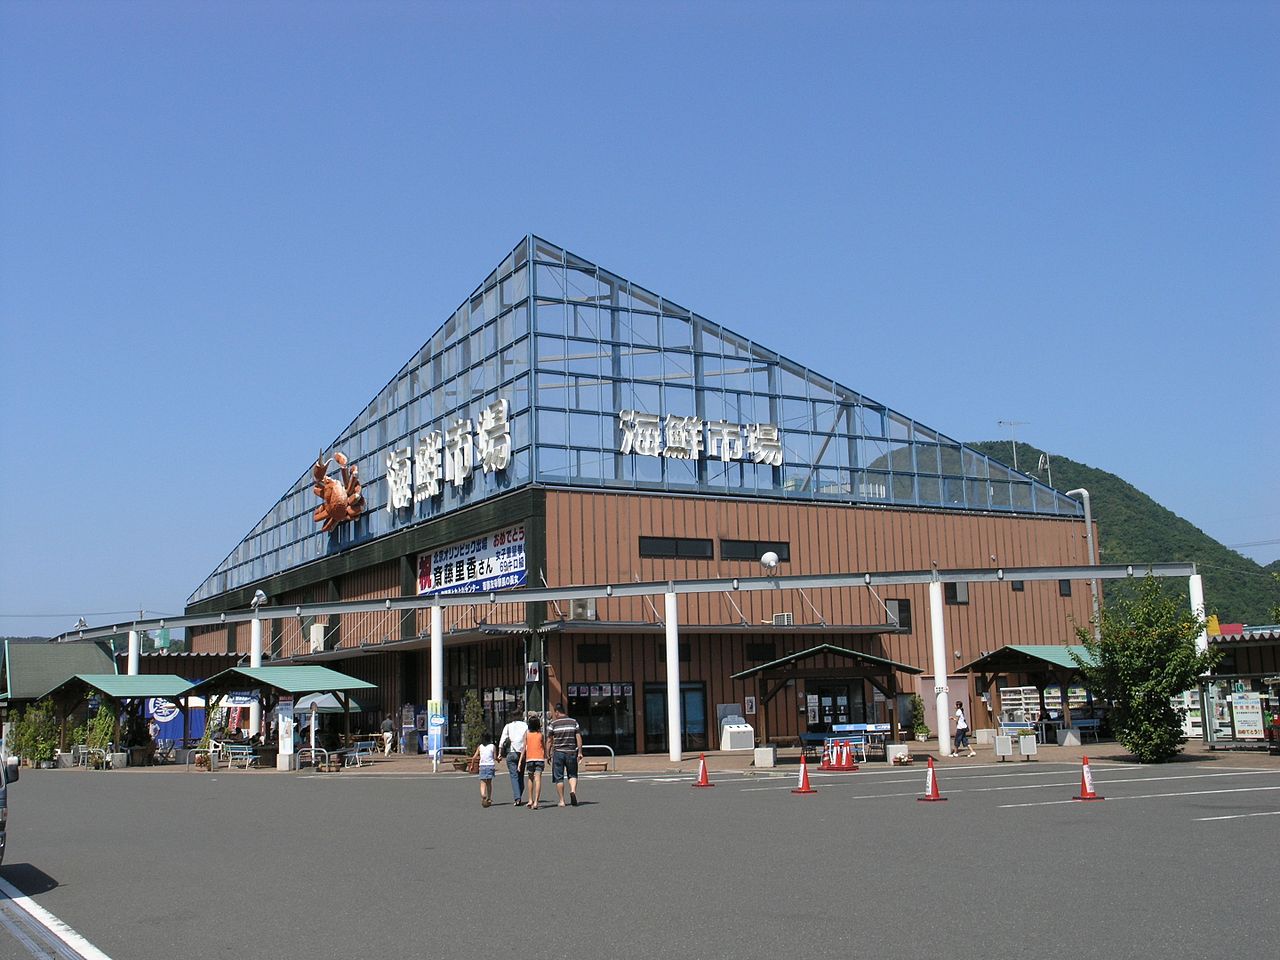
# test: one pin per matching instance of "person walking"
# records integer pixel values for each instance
(566, 751)
(486, 756)
(388, 732)
(510, 746)
(533, 758)
(962, 731)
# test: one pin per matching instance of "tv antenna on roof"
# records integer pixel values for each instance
(1013, 425)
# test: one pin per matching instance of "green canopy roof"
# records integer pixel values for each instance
(31, 669)
(1021, 657)
(166, 686)
(294, 680)
(828, 648)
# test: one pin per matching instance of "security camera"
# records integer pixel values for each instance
(259, 598)
(769, 561)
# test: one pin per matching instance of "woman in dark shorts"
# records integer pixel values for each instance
(534, 758)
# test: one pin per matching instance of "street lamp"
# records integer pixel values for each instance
(1088, 530)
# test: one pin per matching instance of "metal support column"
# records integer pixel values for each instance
(674, 724)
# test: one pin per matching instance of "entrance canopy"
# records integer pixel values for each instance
(295, 681)
(1043, 662)
(79, 688)
(1031, 658)
(772, 677)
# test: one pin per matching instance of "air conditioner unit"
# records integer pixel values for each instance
(783, 620)
(582, 609)
(317, 637)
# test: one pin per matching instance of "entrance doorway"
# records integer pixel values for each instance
(828, 702)
(693, 717)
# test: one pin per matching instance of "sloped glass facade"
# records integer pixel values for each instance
(608, 385)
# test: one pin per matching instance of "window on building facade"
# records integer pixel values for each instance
(686, 654)
(594, 653)
(754, 550)
(955, 594)
(899, 610)
(1017, 586)
(680, 548)
(1064, 588)
(762, 652)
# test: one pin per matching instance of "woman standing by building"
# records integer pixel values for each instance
(962, 731)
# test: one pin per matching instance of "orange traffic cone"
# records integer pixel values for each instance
(848, 757)
(828, 761)
(931, 784)
(802, 785)
(1086, 783)
(702, 772)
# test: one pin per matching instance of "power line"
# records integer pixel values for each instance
(1254, 543)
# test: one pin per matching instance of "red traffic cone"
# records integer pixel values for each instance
(848, 757)
(1086, 783)
(931, 785)
(802, 785)
(828, 761)
(702, 772)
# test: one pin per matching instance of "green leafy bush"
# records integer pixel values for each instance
(1146, 656)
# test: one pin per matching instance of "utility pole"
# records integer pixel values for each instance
(1013, 425)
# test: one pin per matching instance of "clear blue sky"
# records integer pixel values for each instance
(223, 227)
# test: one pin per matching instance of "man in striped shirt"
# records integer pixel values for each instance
(566, 750)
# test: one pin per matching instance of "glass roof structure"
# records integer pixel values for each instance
(557, 372)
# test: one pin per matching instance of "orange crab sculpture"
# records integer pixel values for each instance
(340, 501)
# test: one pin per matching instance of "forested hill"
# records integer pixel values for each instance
(1133, 528)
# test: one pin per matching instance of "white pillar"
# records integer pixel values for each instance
(437, 654)
(135, 651)
(940, 691)
(1197, 610)
(255, 660)
(674, 723)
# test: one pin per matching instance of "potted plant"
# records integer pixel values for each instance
(919, 728)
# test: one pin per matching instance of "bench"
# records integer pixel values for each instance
(239, 754)
(1086, 727)
(362, 753)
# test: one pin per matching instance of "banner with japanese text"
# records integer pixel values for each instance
(479, 565)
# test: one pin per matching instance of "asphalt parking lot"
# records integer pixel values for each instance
(1178, 860)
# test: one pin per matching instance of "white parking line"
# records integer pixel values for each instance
(1144, 796)
(1240, 816)
(77, 943)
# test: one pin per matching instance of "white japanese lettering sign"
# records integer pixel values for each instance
(480, 565)
(688, 438)
(448, 456)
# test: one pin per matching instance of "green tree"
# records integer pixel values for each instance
(919, 727)
(1146, 656)
(472, 721)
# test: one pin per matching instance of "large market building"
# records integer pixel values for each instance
(566, 426)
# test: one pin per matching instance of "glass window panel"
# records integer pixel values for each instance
(547, 251)
(677, 334)
(515, 288)
(642, 299)
(580, 284)
(678, 401)
(643, 329)
(899, 459)
(552, 318)
(589, 394)
(553, 462)
(926, 458)
(904, 488)
(583, 321)
(586, 430)
(583, 357)
(975, 494)
(681, 472)
(953, 492)
(646, 365)
(791, 383)
(1020, 496)
(975, 465)
(549, 282)
(551, 353)
(951, 463)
